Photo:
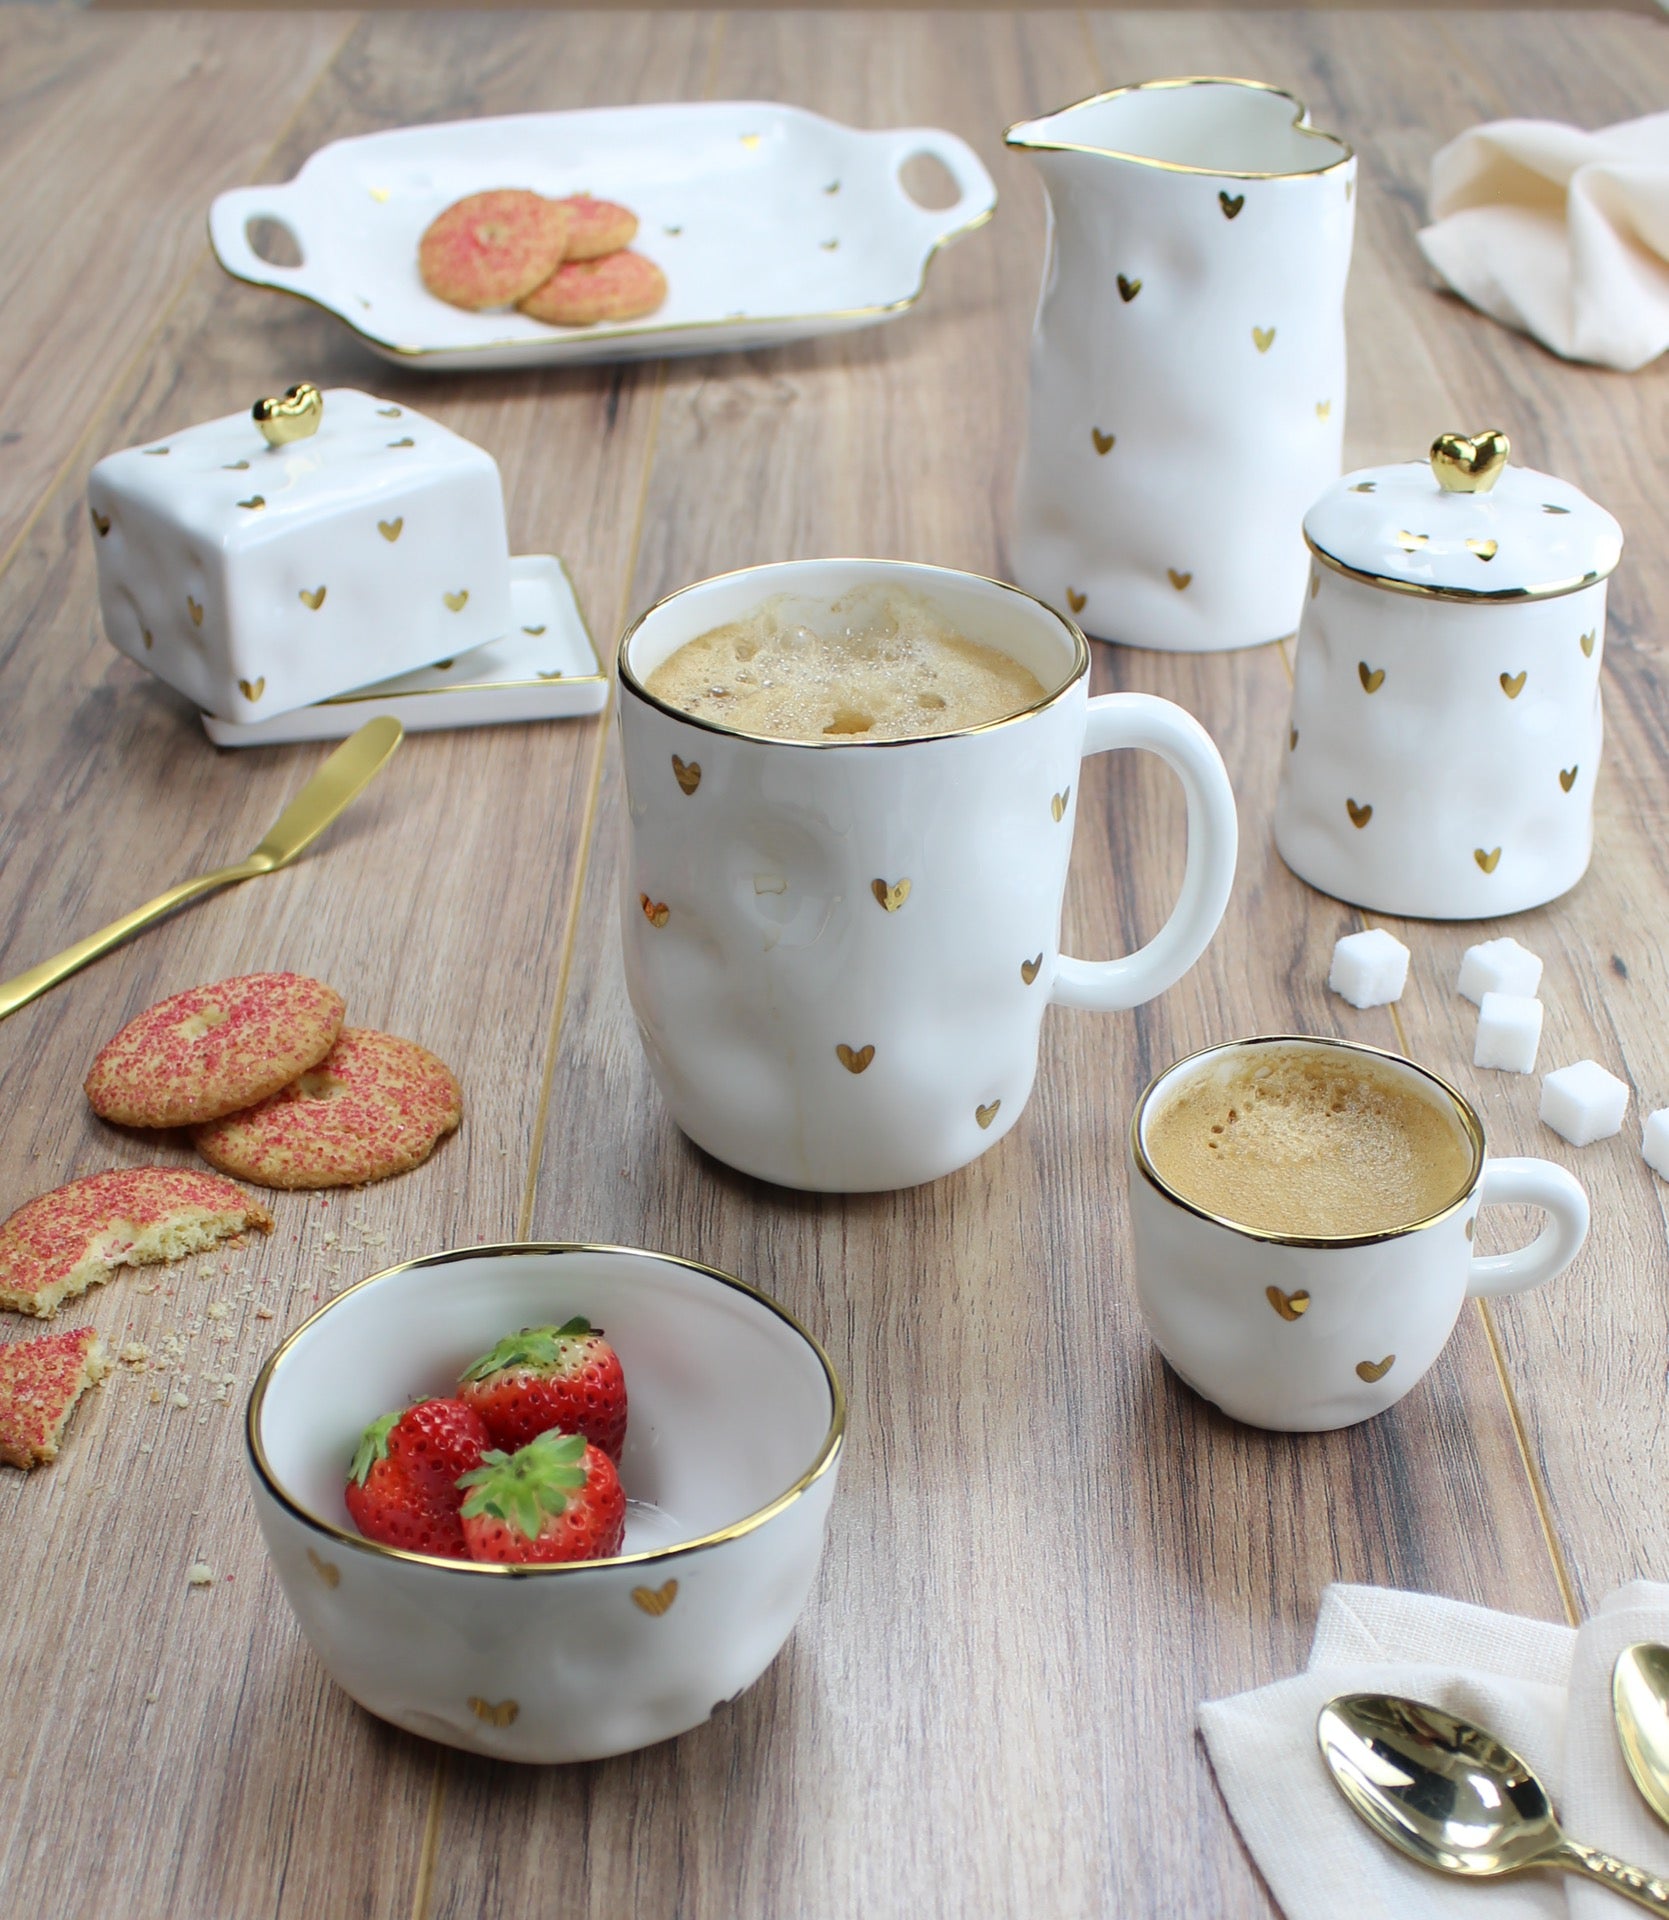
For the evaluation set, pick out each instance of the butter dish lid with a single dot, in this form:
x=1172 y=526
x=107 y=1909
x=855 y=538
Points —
x=1464 y=525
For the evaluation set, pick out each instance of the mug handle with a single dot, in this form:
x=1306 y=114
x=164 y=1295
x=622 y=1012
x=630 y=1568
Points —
x=1143 y=720
x=1531 y=1183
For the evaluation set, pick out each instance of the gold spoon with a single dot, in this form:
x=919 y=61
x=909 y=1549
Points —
x=1453 y=1797
x=1640 y=1706
x=340 y=780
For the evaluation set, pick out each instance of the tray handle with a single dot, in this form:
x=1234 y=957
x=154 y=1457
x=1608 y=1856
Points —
x=976 y=190
x=229 y=218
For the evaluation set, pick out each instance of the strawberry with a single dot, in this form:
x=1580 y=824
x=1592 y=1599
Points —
x=566 y=1377
x=402 y=1487
x=558 y=1498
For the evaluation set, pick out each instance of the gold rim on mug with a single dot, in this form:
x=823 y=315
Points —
x=1013 y=138
x=1463 y=1109
x=628 y=678
x=827 y=1453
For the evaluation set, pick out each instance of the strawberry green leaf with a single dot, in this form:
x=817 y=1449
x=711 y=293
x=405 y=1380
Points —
x=373 y=1446
x=537 y=1347
x=530 y=1487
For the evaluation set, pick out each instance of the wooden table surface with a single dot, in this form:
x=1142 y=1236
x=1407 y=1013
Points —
x=1044 y=1551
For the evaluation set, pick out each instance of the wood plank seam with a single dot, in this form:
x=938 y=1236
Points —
x=431 y=1837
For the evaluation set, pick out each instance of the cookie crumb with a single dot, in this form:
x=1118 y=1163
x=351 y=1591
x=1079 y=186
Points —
x=217 y=1309
x=178 y=1399
x=135 y=1354
x=199 y=1574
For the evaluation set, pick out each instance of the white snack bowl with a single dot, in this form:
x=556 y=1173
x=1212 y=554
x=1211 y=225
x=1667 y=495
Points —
x=256 y=578
x=566 y=1662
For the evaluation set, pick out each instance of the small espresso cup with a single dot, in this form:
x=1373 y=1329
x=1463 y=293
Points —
x=839 y=952
x=1306 y=1332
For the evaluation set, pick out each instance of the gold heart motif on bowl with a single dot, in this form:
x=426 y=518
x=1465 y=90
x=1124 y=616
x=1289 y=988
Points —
x=1290 y=1306
x=1179 y=580
x=1263 y=338
x=1588 y=640
x=1359 y=816
x=254 y=503
x=1412 y=542
x=1231 y=203
x=1029 y=969
x=314 y=598
x=253 y=689
x=1488 y=861
x=1103 y=441
x=1057 y=803
x=407 y=442
x=1323 y=409
x=686 y=772
x=329 y=1574
x=985 y=1115
x=1512 y=684
x=1128 y=289
x=500 y=1713
x=656 y=912
x=655 y=1600
x=1366 y=486
x=1372 y=680
x=392 y=529
x=456 y=601
x=1292 y=739
x=1075 y=600
x=1469 y=463
x=101 y=521
x=1484 y=549
x=890 y=897
x=148 y=637
x=237 y=466
x=194 y=610
x=535 y=631
x=854 y=1059
x=1372 y=1370
x=1567 y=777
x=389 y=413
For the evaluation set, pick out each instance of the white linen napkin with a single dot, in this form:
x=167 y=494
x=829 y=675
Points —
x=1545 y=1690
x=1560 y=233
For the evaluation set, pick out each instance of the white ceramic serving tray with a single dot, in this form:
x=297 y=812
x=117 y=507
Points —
x=545 y=668
x=770 y=223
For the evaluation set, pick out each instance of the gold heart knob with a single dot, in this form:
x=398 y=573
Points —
x=500 y=1713
x=687 y=773
x=1372 y=679
x=1512 y=684
x=1075 y=600
x=101 y=521
x=1359 y=816
x=329 y=1574
x=1567 y=777
x=985 y=1115
x=1057 y=803
x=854 y=1059
x=891 y=897
x=254 y=503
x=253 y=689
x=1103 y=441
x=1178 y=580
x=392 y=529
x=1029 y=969
x=194 y=610
x=655 y=1600
x=656 y=912
x=1290 y=1306
x=1588 y=640
x=314 y=598
x=1128 y=289
x=1263 y=338
x=1372 y=1370
x=1488 y=861
x=1484 y=549
x=456 y=601
x=1231 y=203
x=291 y=416
x=1469 y=463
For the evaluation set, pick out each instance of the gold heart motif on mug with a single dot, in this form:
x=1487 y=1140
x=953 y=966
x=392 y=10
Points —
x=1372 y=1370
x=1323 y=409
x=1128 y=289
x=1588 y=640
x=535 y=631
x=455 y=601
x=1103 y=441
x=315 y=599
x=1290 y=1306
x=985 y=1115
x=891 y=897
x=392 y=529
x=1231 y=203
x=1075 y=600
x=1178 y=580
x=1488 y=861
x=1512 y=684
x=1263 y=338
x=1567 y=777
x=1057 y=804
x=330 y=1575
x=253 y=689
x=655 y=1600
x=1359 y=816
x=101 y=521
x=194 y=610
x=854 y=1059
x=500 y=1713
x=1372 y=680
x=1029 y=969
x=1292 y=739
x=656 y=912
x=686 y=772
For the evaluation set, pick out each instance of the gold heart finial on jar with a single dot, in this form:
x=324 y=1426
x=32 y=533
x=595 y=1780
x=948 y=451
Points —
x=294 y=416
x=1469 y=463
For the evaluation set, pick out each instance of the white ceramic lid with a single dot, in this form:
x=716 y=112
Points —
x=1464 y=525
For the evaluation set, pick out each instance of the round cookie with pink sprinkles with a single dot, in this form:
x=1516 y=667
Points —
x=374 y=1106
x=597 y=227
x=489 y=249
x=620 y=286
x=213 y=1050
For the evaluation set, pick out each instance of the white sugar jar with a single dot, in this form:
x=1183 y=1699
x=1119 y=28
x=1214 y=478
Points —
x=1445 y=733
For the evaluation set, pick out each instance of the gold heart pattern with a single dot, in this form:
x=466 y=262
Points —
x=101 y=521
x=388 y=413
x=1567 y=777
x=535 y=631
x=1555 y=509
x=1103 y=441
x=1469 y=1226
x=1469 y=463
x=442 y=666
x=829 y=245
x=554 y=674
x=686 y=772
x=985 y=1115
x=1292 y=739
x=407 y=442
x=1323 y=409
x=854 y=1059
x=194 y=610
x=253 y=689
x=284 y=418
x=1359 y=816
x=456 y=601
x=1412 y=542
x=1372 y=679
x=1290 y=1306
x=156 y=453
x=892 y=897
x=1488 y=861
x=1365 y=486
x=392 y=529
x=314 y=598
x=237 y=466
x=329 y=1574
x=655 y=1600
x=1029 y=969
x=1315 y=584
x=1075 y=600
x=1588 y=640
x=500 y=1713
x=1231 y=203
x=149 y=637
x=379 y=194
x=1057 y=803
x=1263 y=338
x=1484 y=549
x=1372 y=1370
x=750 y=141
x=254 y=503
x=1512 y=684
x=1178 y=580
x=656 y=912
x=1128 y=289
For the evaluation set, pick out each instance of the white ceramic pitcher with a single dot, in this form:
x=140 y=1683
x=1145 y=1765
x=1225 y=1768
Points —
x=1187 y=361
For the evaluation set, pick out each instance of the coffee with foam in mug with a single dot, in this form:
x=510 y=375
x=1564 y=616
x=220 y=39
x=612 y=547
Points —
x=877 y=665
x=1313 y=1142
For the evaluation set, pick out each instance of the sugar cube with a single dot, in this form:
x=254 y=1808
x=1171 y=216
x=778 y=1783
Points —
x=1369 y=969
x=1509 y=1032
x=1499 y=966
x=1654 y=1142
x=1584 y=1103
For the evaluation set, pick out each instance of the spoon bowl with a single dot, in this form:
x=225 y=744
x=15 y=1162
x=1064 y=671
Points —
x=1640 y=1706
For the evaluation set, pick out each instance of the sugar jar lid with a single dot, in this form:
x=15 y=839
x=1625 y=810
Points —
x=1463 y=525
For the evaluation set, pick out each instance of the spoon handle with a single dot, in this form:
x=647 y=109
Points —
x=1644 y=1889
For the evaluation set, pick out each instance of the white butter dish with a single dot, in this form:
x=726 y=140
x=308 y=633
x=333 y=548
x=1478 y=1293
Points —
x=544 y=668
x=258 y=578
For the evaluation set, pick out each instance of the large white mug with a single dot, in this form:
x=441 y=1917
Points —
x=839 y=952
x=1307 y=1332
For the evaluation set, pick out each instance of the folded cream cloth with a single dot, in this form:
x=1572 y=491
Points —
x=1545 y=1690
x=1560 y=233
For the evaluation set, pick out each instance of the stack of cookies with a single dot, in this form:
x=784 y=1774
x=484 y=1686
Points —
x=566 y=262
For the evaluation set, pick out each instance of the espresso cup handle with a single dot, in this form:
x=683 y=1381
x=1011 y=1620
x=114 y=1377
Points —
x=1142 y=720
x=1530 y=1183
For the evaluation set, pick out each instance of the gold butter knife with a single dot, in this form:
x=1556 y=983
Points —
x=340 y=781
